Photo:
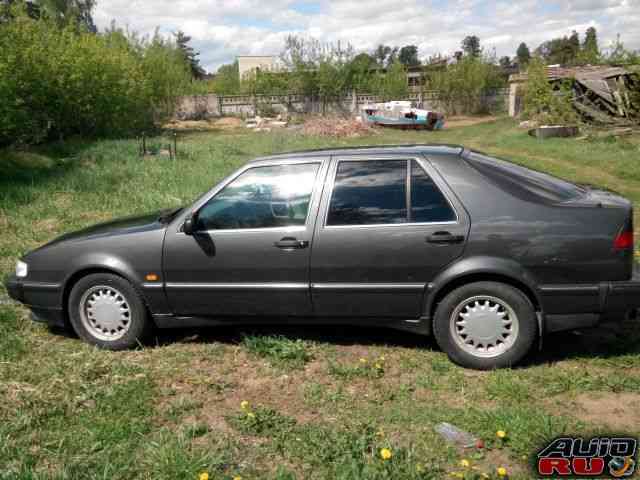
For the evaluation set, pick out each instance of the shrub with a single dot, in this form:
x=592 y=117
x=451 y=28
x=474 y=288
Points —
x=57 y=81
x=542 y=102
x=461 y=86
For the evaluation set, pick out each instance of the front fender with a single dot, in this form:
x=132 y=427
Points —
x=474 y=269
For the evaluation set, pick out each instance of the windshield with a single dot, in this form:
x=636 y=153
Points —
x=524 y=182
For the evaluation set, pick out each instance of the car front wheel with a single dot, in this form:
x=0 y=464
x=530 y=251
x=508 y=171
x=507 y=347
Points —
x=106 y=311
x=485 y=325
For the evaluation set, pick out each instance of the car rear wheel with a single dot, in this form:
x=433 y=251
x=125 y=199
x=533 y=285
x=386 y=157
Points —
x=105 y=310
x=485 y=325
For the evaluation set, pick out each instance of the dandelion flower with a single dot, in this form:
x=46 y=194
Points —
x=501 y=434
x=363 y=360
x=502 y=472
x=237 y=477
x=419 y=468
x=203 y=476
x=380 y=433
x=378 y=366
x=251 y=415
x=465 y=463
x=244 y=405
x=385 y=454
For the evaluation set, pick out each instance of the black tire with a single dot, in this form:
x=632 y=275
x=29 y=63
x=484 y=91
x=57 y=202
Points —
x=139 y=325
x=519 y=303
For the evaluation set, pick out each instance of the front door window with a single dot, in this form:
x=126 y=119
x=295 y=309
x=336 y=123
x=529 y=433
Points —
x=262 y=197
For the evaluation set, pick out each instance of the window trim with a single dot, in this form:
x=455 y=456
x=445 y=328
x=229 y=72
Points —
x=332 y=181
x=291 y=228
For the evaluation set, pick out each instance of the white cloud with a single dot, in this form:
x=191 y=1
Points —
x=222 y=29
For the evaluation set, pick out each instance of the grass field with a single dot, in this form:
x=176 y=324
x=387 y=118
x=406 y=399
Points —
x=322 y=402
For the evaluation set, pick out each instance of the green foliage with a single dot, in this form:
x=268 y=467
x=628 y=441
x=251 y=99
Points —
x=279 y=350
x=392 y=84
x=471 y=46
x=462 y=84
x=190 y=55
x=523 y=54
x=57 y=82
x=261 y=420
x=409 y=56
x=542 y=102
x=227 y=81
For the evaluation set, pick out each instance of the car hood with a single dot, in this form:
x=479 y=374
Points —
x=119 y=227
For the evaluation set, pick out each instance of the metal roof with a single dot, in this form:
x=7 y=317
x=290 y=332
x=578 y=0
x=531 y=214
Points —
x=440 y=149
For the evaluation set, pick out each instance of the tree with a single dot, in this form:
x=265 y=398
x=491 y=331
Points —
x=361 y=70
x=523 y=54
x=590 y=51
x=561 y=50
x=190 y=55
x=573 y=45
x=409 y=56
x=63 y=12
x=392 y=84
x=385 y=55
x=505 y=62
x=227 y=81
x=471 y=46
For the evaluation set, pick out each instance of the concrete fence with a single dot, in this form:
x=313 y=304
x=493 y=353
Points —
x=200 y=107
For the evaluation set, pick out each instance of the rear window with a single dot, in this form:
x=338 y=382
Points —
x=523 y=182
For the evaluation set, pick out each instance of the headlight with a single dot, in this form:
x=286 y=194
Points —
x=21 y=269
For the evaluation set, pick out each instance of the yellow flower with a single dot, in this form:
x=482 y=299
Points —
x=378 y=366
x=385 y=454
x=381 y=358
x=502 y=472
x=419 y=468
x=363 y=360
x=465 y=463
x=237 y=477
x=244 y=405
x=501 y=434
x=203 y=476
x=251 y=415
x=457 y=474
x=380 y=433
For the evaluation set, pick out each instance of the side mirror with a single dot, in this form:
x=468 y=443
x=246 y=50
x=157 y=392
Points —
x=189 y=225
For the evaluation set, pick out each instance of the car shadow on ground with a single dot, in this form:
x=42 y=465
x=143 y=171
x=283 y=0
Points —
x=607 y=341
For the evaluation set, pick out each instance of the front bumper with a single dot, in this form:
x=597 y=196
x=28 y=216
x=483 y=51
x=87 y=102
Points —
x=44 y=299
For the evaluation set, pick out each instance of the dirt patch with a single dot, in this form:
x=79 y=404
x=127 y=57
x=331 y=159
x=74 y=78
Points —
x=617 y=411
x=49 y=225
x=336 y=127
x=465 y=121
x=224 y=123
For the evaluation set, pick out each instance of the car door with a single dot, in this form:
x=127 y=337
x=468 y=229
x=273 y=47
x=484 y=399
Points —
x=250 y=250
x=387 y=226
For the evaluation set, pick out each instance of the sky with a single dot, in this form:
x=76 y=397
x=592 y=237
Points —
x=223 y=29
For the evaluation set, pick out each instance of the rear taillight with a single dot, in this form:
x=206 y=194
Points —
x=624 y=239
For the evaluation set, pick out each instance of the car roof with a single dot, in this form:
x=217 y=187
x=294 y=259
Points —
x=428 y=149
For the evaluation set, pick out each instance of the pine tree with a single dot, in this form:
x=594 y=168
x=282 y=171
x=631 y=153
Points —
x=524 y=55
x=190 y=55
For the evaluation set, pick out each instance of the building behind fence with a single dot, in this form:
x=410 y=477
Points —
x=201 y=107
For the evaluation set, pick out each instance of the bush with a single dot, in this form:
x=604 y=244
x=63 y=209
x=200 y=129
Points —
x=542 y=102
x=57 y=81
x=461 y=86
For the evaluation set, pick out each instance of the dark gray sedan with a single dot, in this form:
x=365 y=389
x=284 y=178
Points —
x=486 y=255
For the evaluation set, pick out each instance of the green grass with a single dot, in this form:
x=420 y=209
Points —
x=279 y=350
x=172 y=409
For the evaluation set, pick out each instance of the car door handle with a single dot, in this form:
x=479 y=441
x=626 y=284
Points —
x=442 y=238
x=288 y=243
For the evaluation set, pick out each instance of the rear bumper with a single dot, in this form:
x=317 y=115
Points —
x=44 y=299
x=569 y=307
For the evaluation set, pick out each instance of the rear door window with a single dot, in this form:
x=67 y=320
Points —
x=383 y=192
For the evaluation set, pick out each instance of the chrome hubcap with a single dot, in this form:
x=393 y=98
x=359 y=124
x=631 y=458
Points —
x=484 y=326
x=105 y=313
